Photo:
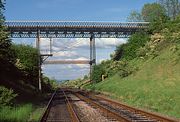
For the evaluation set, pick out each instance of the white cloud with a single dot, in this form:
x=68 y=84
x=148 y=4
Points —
x=109 y=42
x=76 y=49
x=67 y=44
x=65 y=54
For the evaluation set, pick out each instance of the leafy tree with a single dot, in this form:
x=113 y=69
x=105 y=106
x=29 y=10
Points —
x=172 y=7
x=6 y=52
x=27 y=60
x=98 y=71
x=85 y=77
x=156 y=15
x=6 y=96
x=128 y=51
x=135 y=17
x=27 y=56
x=118 y=53
x=152 y=12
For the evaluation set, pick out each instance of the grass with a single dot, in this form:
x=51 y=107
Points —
x=36 y=114
x=22 y=113
x=155 y=86
x=16 y=114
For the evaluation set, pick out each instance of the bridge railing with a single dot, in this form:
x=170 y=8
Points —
x=74 y=24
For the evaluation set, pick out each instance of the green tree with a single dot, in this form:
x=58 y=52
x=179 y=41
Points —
x=172 y=7
x=27 y=60
x=6 y=96
x=6 y=52
x=27 y=56
x=135 y=17
x=152 y=12
x=98 y=71
x=128 y=51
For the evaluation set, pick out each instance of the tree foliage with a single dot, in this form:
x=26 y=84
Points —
x=152 y=12
x=27 y=56
x=27 y=60
x=98 y=71
x=6 y=96
x=6 y=53
x=172 y=7
x=135 y=16
x=128 y=51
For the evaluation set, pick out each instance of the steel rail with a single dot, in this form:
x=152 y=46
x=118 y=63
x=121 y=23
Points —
x=110 y=113
x=73 y=115
x=46 y=112
x=151 y=115
x=140 y=111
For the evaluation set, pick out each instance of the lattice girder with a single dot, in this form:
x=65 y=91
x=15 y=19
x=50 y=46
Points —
x=73 y=29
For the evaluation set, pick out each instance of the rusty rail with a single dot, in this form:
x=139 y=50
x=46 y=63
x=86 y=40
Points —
x=152 y=115
x=140 y=111
x=105 y=110
x=74 y=117
x=46 y=112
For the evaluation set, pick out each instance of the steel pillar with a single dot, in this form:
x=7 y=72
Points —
x=39 y=57
x=50 y=45
x=92 y=55
x=94 y=50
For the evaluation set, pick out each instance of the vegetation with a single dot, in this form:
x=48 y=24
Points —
x=147 y=66
x=155 y=86
x=6 y=96
x=172 y=7
x=21 y=113
x=19 y=79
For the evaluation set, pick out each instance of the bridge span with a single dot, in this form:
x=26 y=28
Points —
x=73 y=29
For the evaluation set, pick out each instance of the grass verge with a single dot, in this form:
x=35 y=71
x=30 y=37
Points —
x=21 y=113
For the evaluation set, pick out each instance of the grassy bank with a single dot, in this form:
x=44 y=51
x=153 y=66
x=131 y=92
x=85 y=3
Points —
x=154 y=86
x=22 y=113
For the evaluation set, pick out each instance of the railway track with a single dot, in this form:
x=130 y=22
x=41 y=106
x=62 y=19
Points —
x=59 y=109
x=122 y=112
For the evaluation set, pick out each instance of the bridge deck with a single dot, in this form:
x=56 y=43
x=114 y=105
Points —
x=73 y=29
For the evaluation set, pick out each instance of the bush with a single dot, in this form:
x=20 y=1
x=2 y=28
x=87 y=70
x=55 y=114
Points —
x=126 y=71
x=27 y=57
x=27 y=62
x=6 y=96
x=128 y=51
x=98 y=71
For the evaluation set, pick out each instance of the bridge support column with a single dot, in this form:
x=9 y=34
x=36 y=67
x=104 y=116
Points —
x=50 y=45
x=92 y=55
x=39 y=61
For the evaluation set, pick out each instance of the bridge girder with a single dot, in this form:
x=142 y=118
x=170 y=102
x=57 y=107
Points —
x=73 y=29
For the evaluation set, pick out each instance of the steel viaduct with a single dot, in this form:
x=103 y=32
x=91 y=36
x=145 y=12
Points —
x=72 y=29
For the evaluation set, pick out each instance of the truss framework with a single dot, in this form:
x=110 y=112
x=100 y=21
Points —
x=73 y=29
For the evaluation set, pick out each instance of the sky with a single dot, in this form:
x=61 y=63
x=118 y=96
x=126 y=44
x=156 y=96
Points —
x=72 y=10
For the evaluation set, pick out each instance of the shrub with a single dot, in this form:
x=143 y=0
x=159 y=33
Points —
x=128 y=51
x=98 y=71
x=6 y=96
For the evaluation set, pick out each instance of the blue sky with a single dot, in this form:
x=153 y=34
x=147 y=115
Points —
x=81 y=10
x=101 y=10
